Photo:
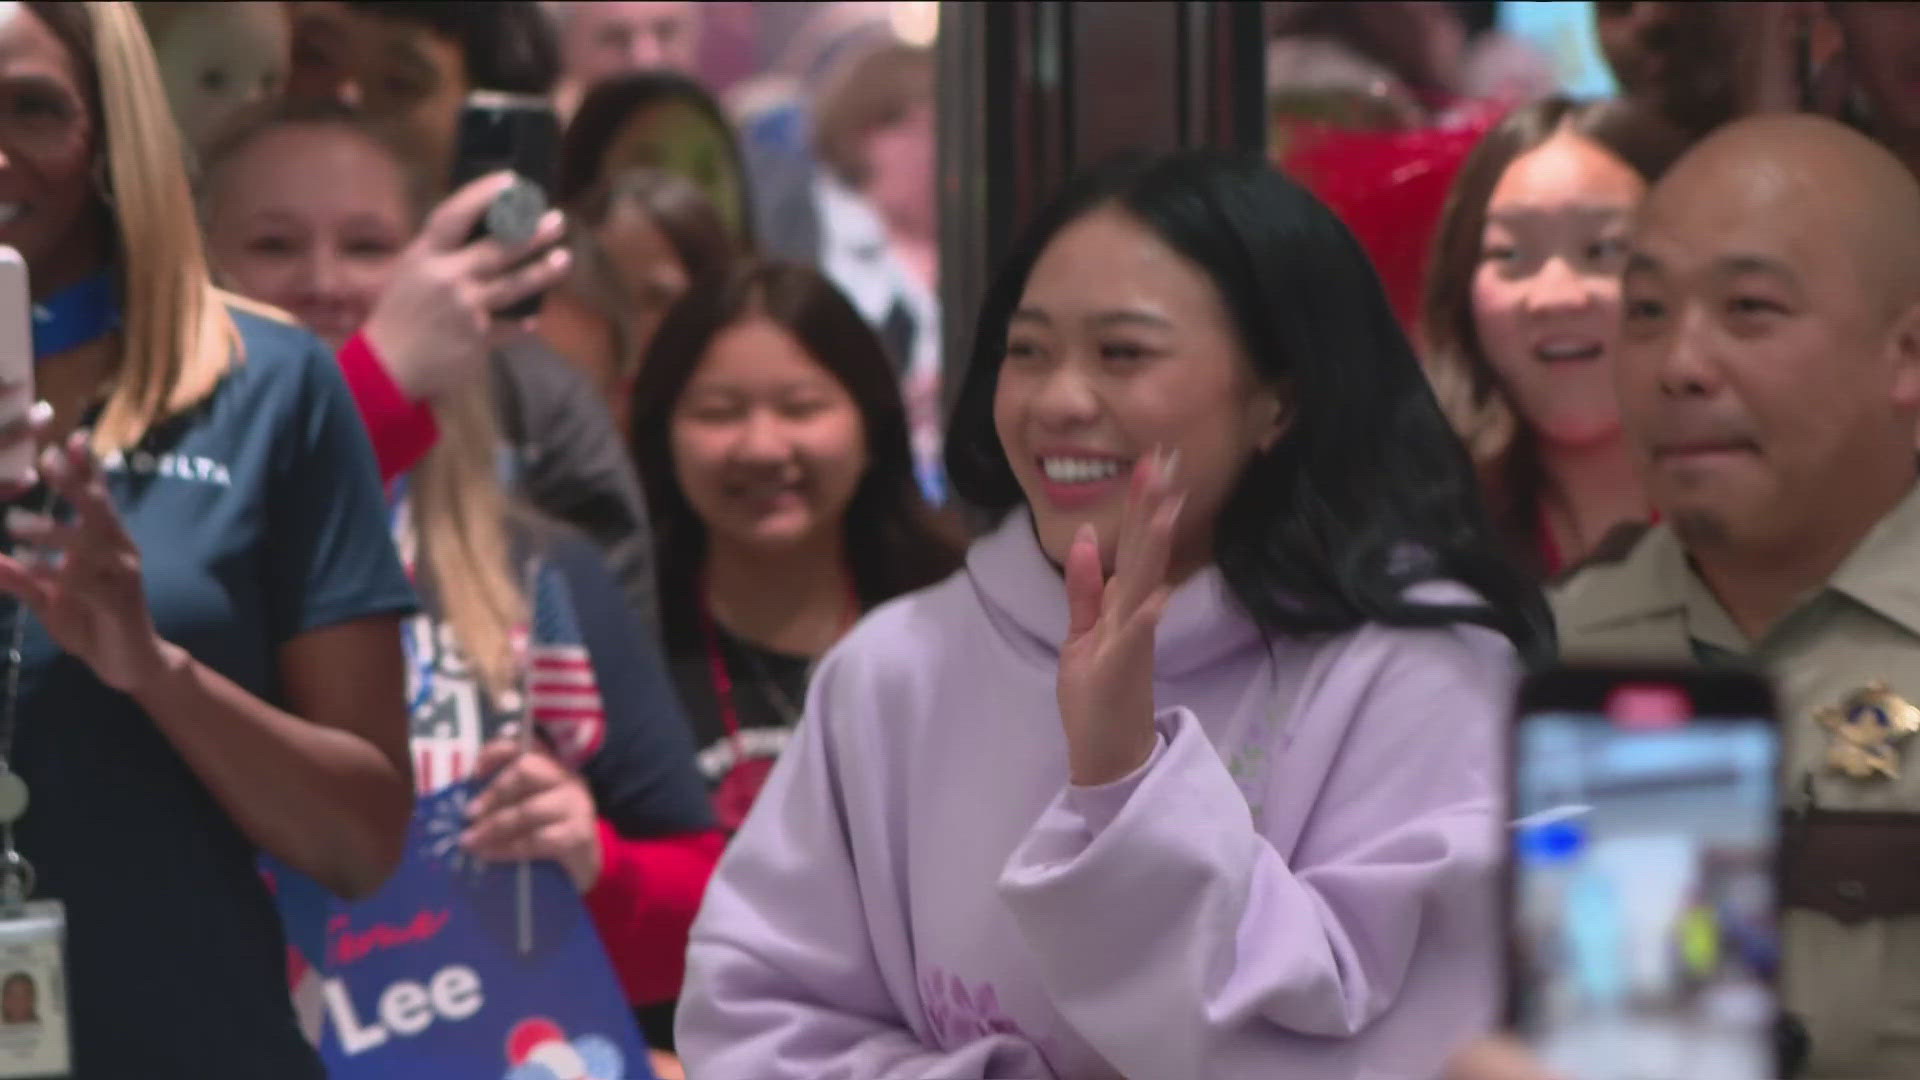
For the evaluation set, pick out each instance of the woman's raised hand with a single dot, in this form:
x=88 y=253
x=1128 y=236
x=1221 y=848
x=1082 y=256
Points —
x=435 y=322
x=1106 y=663
x=81 y=577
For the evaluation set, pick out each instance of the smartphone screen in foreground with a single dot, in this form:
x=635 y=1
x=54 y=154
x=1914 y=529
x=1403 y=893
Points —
x=1643 y=898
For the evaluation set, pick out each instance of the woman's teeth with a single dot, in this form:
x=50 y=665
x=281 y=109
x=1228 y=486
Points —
x=1064 y=470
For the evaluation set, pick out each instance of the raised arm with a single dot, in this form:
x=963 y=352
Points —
x=1367 y=942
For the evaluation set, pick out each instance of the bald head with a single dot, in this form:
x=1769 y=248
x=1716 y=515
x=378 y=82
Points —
x=1805 y=176
x=1769 y=363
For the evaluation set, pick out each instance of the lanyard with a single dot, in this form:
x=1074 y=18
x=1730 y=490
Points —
x=82 y=312
x=722 y=678
x=16 y=873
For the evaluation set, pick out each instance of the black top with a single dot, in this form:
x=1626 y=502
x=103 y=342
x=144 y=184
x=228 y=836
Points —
x=571 y=463
x=769 y=692
x=259 y=517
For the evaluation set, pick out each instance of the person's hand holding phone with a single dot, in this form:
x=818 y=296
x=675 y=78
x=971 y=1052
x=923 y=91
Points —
x=436 y=321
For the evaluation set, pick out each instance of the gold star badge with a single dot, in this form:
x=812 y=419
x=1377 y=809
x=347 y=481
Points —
x=1865 y=732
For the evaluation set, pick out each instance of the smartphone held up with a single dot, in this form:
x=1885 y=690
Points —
x=517 y=133
x=1642 y=923
x=16 y=367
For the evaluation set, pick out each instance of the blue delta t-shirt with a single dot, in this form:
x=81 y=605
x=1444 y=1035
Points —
x=259 y=517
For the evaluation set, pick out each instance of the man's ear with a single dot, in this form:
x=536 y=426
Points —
x=1903 y=342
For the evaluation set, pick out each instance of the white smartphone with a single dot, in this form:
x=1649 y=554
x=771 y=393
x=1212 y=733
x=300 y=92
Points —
x=16 y=360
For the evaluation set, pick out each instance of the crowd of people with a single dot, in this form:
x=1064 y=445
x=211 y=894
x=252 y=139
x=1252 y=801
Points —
x=1191 y=764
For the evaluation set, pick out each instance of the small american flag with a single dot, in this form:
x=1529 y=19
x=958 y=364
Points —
x=563 y=696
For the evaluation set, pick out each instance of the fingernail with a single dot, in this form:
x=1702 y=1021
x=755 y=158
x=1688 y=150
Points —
x=1172 y=467
x=41 y=412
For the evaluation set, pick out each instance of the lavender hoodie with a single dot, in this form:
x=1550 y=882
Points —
x=1297 y=885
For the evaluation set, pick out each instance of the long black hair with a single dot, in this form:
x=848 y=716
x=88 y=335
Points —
x=895 y=542
x=1367 y=492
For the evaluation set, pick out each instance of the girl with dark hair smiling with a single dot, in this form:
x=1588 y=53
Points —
x=772 y=443
x=1521 y=315
x=1192 y=771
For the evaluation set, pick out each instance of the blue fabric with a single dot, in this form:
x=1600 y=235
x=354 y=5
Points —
x=259 y=517
x=82 y=312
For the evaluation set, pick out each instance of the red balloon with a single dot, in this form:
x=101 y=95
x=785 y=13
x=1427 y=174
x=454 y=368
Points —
x=1390 y=188
x=530 y=1033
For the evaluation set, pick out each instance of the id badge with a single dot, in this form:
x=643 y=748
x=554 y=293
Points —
x=34 y=1031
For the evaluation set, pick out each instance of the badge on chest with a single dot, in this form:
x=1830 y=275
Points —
x=1866 y=732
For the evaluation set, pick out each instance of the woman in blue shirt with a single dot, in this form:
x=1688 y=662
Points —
x=210 y=661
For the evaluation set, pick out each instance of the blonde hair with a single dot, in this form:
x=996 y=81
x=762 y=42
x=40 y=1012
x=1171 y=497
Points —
x=460 y=513
x=177 y=340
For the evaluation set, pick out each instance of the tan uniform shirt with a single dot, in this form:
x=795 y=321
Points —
x=1855 y=986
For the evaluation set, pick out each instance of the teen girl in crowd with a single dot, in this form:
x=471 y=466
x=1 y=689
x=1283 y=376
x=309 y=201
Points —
x=412 y=65
x=611 y=796
x=772 y=443
x=1521 y=314
x=215 y=555
x=1194 y=770
x=640 y=239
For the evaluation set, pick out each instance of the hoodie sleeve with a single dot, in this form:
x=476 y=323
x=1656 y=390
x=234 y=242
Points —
x=799 y=966
x=1227 y=956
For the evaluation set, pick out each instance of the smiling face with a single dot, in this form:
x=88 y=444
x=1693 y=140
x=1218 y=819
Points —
x=1120 y=345
x=309 y=218
x=767 y=445
x=49 y=211
x=1762 y=378
x=1546 y=295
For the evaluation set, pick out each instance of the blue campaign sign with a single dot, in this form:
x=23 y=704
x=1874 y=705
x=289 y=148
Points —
x=440 y=975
